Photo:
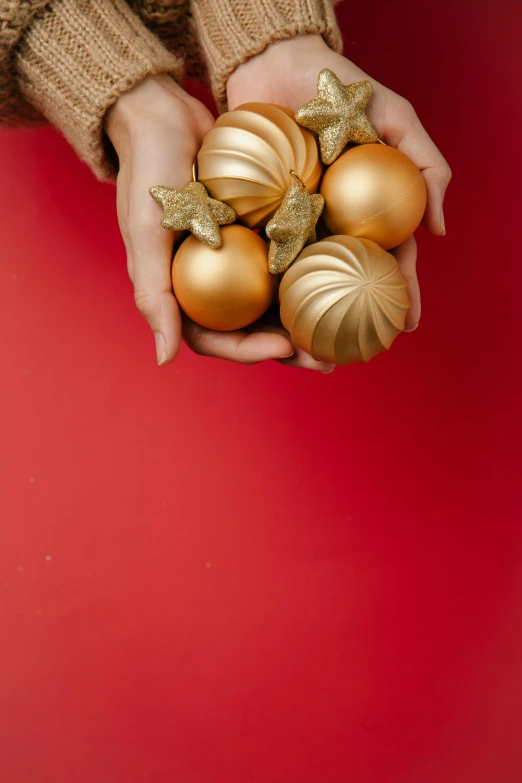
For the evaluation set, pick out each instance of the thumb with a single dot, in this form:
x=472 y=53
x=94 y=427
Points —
x=150 y=256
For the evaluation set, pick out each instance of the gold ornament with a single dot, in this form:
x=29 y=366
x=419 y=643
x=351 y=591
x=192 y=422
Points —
x=225 y=288
x=374 y=191
x=191 y=209
x=343 y=300
x=338 y=115
x=292 y=226
x=247 y=156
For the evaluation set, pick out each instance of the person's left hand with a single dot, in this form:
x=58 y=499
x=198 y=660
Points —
x=286 y=74
x=156 y=130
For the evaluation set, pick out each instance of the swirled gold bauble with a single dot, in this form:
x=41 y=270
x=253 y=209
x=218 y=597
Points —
x=343 y=300
x=374 y=191
x=246 y=159
x=224 y=288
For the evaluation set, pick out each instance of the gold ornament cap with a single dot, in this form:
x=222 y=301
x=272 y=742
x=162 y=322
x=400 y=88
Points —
x=337 y=114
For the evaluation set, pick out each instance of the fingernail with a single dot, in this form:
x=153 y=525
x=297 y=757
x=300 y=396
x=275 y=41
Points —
x=442 y=224
x=287 y=355
x=329 y=370
x=411 y=329
x=161 y=348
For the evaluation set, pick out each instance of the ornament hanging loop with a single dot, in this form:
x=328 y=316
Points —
x=195 y=170
x=297 y=178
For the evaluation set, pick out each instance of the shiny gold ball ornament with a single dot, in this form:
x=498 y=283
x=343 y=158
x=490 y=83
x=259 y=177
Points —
x=343 y=300
x=247 y=157
x=374 y=191
x=225 y=288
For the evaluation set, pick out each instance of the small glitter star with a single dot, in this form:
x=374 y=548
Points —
x=192 y=209
x=338 y=115
x=292 y=226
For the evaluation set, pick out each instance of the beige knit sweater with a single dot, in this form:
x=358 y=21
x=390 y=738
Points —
x=68 y=61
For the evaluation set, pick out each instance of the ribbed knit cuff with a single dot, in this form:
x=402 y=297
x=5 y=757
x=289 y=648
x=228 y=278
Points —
x=75 y=61
x=232 y=31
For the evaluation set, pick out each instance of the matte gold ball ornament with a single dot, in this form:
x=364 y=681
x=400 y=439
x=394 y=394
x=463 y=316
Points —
x=374 y=191
x=224 y=288
x=344 y=300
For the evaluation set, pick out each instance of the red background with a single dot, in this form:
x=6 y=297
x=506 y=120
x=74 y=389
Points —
x=215 y=574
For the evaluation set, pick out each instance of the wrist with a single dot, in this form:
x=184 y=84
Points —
x=280 y=54
x=151 y=101
x=283 y=52
x=272 y=75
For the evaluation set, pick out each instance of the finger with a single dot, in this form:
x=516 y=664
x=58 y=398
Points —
x=150 y=258
x=304 y=361
x=437 y=180
x=242 y=347
x=150 y=249
x=299 y=358
x=406 y=255
x=408 y=135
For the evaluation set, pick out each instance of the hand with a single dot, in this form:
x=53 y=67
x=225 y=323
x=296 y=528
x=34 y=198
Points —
x=157 y=129
x=286 y=73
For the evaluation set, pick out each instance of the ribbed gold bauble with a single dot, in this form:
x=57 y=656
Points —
x=246 y=159
x=224 y=288
x=343 y=300
x=374 y=191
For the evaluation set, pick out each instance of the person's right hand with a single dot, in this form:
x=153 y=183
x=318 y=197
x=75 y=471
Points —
x=156 y=130
x=286 y=73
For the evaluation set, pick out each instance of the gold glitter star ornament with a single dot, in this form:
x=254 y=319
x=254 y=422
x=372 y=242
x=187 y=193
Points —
x=292 y=227
x=192 y=209
x=337 y=114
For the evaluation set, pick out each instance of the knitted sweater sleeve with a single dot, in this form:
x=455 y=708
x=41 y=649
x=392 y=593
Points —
x=232 y=31
x=72 y=61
